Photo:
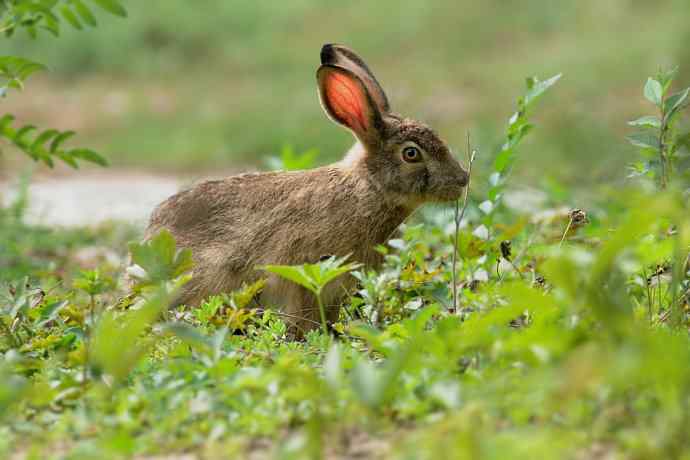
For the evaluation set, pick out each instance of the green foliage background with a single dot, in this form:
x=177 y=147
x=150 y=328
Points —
x=226 y=83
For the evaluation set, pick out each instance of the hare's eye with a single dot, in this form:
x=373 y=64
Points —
x=411 y=154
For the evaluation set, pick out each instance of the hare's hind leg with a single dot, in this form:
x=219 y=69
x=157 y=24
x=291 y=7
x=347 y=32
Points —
x=300 y=311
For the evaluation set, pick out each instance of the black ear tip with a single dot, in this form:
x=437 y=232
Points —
x=328 y=53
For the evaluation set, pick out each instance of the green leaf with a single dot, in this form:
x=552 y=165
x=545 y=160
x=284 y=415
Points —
x=51 y=23
x=295 y=274
x=189 y=335
x=88 y=155
x=313 y=276
x=50 y=312
x=536 y=87
x=112 y=6
x=675 y=101
x=59 y=140
x=118 y=344
x=665 y=77
x=36 y=149
x=331 y=269
x=160 y=259
x=93 y=282
x=644 y=140
x=289 y=160
x=649 y=121
x=44 y=137
x=68 y=159
x=527 y=297
x=503 y=159
x=69 y=15
x=653 y=91
x=15 y=70
x=84 y=12
x=5 y=123
x=45 y=159
x=20 y=137
x=494 y=193
x=242 y=297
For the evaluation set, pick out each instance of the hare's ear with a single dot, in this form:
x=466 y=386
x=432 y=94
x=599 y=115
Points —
x=344 y=57
x=347 y=101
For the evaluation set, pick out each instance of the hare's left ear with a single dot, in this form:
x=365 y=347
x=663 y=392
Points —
x=345 y=58
x=347 y=101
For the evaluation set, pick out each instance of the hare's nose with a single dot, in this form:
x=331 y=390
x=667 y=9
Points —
x=463 y=178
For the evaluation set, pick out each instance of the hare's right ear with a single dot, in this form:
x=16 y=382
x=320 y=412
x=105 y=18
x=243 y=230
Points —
x=347 y=101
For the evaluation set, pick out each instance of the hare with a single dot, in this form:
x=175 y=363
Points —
x=235 y=224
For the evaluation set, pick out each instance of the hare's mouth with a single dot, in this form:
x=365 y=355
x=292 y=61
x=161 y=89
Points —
x=443 y=197
x=447 y=194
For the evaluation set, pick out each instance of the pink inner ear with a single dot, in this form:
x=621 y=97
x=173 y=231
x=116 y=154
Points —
x=346 y=99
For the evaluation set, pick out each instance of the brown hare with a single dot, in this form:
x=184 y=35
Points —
x=241 y=222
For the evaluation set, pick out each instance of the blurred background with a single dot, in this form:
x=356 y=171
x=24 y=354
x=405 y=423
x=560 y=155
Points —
x=189 y=88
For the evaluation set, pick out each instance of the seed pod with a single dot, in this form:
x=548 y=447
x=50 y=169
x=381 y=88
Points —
x=578 y=218
x=506 y=249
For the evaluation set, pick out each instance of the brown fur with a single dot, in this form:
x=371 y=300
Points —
x=241 y=222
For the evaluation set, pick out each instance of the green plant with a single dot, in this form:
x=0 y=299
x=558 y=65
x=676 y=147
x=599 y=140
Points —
x=314 y=277
x=158 y=261
x=661 y=145
x=32 y=16
x=289 y=160
x=45 y=145
x=14 y=71
x=518 y=127
x=231 y=310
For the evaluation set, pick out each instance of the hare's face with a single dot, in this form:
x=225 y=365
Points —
x=417 y=165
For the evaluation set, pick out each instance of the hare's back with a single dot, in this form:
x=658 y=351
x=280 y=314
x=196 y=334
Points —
x=211 y=209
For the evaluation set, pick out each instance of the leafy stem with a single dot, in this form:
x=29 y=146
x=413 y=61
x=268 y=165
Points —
x=656 y=138
x=518 y=127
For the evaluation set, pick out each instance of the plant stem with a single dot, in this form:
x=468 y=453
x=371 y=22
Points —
x=658 y=290
x=459 y=215
x=87 y=334
x=663 y=154
x=650 y=312
x=567 y=228
x=322 y=311
x=455 y=256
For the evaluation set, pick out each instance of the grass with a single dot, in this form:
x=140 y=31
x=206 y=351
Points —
x=584 y=363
